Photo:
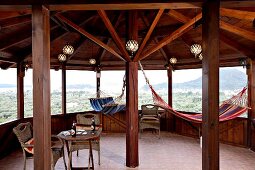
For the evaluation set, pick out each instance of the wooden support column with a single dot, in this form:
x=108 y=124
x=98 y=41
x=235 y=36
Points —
x=210 y=85
x=251 y=104
x=64 y=88
x=98 y=76
x=170 y=117
x=20 y=90
x=132 y=158
x=41 y=87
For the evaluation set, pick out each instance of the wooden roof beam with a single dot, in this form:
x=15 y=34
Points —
x=178 y=16
x=146 y=22
x=114 y=34
x=243 y=15
x=102 y=52
x=89 y=36
x=15 y=21
x=19 y=36
x=233 y=44
x=244 y=50
x=146 y=38
x=237 y=30
x=176 y=34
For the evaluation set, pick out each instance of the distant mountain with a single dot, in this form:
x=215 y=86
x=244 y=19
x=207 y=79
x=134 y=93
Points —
x=230 y=79
x=7 y=85
x=80 y=86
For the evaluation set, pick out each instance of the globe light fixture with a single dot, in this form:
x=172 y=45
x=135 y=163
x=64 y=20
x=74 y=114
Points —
x=200 y=56
x=68 y=49
x=173 y=60
x=132 y=45
x=62 y=57
x=92 y=61
x=196 y=49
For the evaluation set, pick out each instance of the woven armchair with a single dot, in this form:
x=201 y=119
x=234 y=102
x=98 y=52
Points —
x=149 y=118
x=24 y=133
x=85 y=119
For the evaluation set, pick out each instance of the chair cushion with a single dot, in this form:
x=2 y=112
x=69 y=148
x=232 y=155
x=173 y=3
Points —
x=30 y=149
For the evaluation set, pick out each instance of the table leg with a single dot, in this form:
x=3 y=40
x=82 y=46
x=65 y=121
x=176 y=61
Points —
x=69 y=155
x=91 y=154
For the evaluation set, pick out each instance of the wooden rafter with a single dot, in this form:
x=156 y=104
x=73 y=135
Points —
x=102 y=52
x=19 y=36
x=89 y=36
x=244 y=15
x=176 y=34
x=11 y=14
x=114 y=34
x=238 y=31
x=146 y=22
x=233 y=44
x=146 y=38
x=178 y=16
x=15 y=21
x=244 y=50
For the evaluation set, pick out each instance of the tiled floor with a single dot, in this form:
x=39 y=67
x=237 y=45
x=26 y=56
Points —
x=171 y=152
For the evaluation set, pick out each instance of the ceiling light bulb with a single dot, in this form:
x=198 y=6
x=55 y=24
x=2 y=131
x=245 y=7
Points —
x=68 y=49
x=173 y=60
x=92 y=61
x=196 y=49
x=132 y=45
x=62 y=57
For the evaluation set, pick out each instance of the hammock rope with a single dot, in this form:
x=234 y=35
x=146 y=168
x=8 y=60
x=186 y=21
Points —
x=229 y=109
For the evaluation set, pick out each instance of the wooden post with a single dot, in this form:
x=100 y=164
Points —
x=98 y=76
x=20 y=90
x=251 y=104
x=170 y=117
x=64 y=88
x=210 y=85
x=41 y=87
x=132 y=157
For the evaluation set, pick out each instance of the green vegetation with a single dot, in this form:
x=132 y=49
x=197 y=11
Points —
x=77 y=101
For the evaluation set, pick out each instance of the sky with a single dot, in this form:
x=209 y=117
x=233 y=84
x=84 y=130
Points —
x=109 y=79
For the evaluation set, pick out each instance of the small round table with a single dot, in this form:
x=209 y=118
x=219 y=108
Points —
x=74 y=143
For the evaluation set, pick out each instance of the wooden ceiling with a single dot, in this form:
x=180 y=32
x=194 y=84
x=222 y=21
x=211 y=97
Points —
x=99 y=31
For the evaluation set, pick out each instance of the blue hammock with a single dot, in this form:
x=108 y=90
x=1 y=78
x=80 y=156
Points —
x=106 y=105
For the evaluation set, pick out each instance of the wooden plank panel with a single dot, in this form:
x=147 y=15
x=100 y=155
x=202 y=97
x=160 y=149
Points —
x=41 y=87
x=210 y=85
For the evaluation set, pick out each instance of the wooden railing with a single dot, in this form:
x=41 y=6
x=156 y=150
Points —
x=232 y=132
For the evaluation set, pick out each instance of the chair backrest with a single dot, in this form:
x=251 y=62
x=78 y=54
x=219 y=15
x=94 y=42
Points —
x=149 y=109
x=85 y=118
x=23 y=132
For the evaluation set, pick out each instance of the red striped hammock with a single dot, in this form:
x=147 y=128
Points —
x=229 y=109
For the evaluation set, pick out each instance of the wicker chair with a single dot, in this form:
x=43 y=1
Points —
x=24 y=134
x=85 y=119
x=149 y=118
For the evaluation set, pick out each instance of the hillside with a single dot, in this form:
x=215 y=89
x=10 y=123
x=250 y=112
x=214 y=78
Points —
x=230 y=79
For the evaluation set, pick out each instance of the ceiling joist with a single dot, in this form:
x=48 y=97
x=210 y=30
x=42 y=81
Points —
x=238 y=31
x=243 y=15
x=89 y=36
x=114 y=34
x=146 y=38
x=176 y=34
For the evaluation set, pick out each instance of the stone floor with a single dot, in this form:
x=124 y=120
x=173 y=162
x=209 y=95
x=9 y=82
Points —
x=171 y=152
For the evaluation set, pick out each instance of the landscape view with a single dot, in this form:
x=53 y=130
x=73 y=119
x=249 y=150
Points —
x=187 y=96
